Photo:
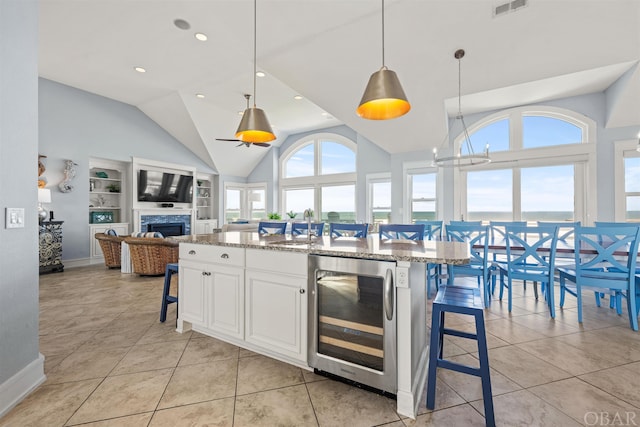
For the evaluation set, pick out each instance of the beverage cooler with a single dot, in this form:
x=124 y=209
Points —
x=352 y=320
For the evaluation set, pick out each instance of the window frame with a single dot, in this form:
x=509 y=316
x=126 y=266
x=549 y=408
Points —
x=245 y=204
x=419 y=168
x=622 y=150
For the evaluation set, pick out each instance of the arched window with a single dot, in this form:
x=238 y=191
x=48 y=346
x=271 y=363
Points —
x=542 y=165
x=319 y=172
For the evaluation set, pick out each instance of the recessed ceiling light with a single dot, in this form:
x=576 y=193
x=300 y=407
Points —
x=140 y=69
x=182 y=24
x=240 y=113
x=260 y=74
x=201 y=36
x=325 y=114
x=297 y=97
x=199 y=95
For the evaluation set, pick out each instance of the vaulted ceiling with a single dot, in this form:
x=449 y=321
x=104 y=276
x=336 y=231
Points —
x=325 y=51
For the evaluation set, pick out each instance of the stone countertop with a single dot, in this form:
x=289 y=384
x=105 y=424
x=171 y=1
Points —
x=370 y=248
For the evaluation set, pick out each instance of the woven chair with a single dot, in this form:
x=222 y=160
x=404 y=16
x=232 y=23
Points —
x=111 y=249
x=150 y=255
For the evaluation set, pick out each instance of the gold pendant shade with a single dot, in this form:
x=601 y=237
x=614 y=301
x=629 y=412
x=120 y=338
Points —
x=254 y=126
x=383 y=98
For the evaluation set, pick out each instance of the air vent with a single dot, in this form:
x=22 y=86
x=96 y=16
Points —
x=511 y=6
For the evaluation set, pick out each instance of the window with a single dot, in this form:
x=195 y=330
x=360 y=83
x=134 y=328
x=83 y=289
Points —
x=378 y=200
x=632 y=188
x=541 y=172
x=319 y=173
x=422 y=190
x=244 y=201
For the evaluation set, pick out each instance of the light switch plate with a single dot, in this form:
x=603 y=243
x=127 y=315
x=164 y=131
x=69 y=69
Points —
x=14 y=218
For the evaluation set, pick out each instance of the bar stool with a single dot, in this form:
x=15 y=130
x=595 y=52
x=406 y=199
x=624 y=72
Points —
x=171 y=269
x=454 y=299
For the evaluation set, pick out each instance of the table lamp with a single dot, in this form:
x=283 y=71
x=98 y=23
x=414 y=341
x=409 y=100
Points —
x=44 y=196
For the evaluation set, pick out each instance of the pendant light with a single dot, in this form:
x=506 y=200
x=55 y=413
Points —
x=254 y=126
x=383 y=97
x=469 y=158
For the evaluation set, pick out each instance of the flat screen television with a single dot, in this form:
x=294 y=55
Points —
x=156 y=186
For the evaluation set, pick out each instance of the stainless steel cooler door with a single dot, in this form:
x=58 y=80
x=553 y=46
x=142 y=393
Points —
x=352 y=326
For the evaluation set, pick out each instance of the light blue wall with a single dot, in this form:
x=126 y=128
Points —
x=18 y=176
x=370 y=159
x=78 y=125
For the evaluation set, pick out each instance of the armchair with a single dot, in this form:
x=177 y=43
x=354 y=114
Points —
x=111 y=249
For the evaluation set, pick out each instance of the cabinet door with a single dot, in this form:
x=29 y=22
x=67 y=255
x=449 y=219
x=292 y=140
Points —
x=275 y=305
x=191 y=292
x=201 y=227
x=225 y=300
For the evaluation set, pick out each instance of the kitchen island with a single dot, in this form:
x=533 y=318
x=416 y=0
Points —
x=254 y=291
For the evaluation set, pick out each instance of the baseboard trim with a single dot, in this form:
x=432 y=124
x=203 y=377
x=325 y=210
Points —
x=21 y=385
x=80 y=262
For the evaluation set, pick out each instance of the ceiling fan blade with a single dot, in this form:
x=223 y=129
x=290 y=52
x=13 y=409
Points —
x=226 y=139
x=262 y=144
x=240 y=144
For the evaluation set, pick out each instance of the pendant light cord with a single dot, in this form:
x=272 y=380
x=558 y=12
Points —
x=255 y=31
x=383 y=66
x=467 y=139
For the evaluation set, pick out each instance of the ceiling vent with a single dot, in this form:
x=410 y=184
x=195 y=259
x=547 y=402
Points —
x=511 y=6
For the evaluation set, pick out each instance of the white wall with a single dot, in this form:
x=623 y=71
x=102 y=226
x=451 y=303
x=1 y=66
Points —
x=77 y=125
x=21 y=369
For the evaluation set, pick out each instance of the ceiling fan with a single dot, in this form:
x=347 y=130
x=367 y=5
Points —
x=246 y=144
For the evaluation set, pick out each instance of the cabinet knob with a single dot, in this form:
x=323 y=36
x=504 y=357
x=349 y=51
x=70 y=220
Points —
x=192 y=252
x=302 y=291
x=224 y=256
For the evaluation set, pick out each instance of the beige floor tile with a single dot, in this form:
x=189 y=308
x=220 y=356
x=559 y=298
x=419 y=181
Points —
x=215 y=413
x=207 y=349
x=446 y=397
x=523 y=368
x=622 y=382
x=612 y=344
x=123 y=395
x=137 y=420
x=289 y=406
x=522 y=408
x=338 y=404
x=199 y=383
x=51 y=362
x=511 y=332
x=261 y=373
x=151 y=356
x=471 y=346
x=566 y=357
x=49 y=405
x=83 y=365
x=163 y=332
x=469 y=386
x=581 y=400
x=545 y=325
x=462 y=415
x=310 y=376
x=112 y=338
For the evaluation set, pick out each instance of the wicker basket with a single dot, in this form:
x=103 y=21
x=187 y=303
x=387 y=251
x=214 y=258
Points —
x=111 y=249
x=150 y=255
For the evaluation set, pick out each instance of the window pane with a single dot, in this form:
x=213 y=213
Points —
x=232 y=210
x=540 y=131
x=490 y=195
x=547 y=193
x=423 y=186
x=298 y=200
x=495 y=134
x=380 y=203
x=257 y=204
x=633 y=208
x=632 y=174
x=336 y=158
x=300 y=163
x=340 y=199
x=423 y=210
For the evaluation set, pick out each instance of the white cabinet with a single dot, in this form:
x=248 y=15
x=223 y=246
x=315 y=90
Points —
x=206 y=226
x=96 y=252
x=204 y=197
x=211 y=291
x=276 y=302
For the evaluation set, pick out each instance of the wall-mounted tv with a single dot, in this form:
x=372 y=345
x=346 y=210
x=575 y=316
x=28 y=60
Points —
x=155 y=186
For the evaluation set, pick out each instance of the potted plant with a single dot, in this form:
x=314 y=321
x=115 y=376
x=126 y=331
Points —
x=274 y=215
x=291 y=214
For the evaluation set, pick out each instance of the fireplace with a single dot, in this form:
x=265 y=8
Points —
x=168 y=228
x=144 y=219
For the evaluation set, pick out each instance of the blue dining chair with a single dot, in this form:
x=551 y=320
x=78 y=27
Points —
x=615 y=224
x=432 y=231
x=477 y=237
x=301 y=228
x=465 y=222
x=531 y=255
x=338 y=229
x=401 y=231
x=605 y=261
x=497 y=235
x=268 y=227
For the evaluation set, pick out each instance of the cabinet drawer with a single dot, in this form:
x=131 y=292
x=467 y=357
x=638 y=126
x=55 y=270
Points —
x=209 y=253
x=277 y=261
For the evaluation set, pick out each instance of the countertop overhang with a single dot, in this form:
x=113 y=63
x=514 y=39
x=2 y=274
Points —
x=427 y=251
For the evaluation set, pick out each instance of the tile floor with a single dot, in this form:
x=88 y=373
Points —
x=109 y=362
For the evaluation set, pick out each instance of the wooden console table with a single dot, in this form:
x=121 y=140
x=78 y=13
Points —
x=50 y=246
